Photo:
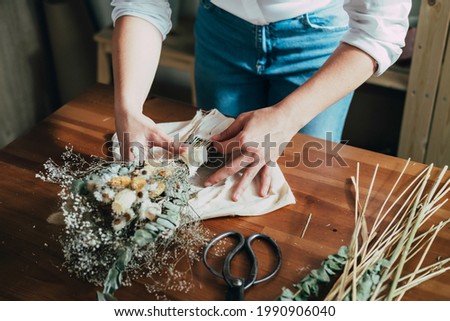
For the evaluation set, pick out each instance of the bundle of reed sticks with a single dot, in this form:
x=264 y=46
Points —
x=387 y=259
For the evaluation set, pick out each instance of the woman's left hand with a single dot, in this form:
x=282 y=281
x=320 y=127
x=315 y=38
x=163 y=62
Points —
x=255 y=139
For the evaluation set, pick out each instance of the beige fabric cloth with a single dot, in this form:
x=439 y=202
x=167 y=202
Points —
x=215 y=201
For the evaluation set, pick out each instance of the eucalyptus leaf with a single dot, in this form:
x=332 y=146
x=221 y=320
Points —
x=364 y=288
x=143 y=237
x=368 y=281
x=172 y=217
x=124 y=171
x=166 y=223
x=114 y=278
x=286 y=295
x=320 y=275
x=151 y=228
x=112 y=281
x=309 y=286
x=172 y=207
x=105 y=297
x=78 y=187
x=124 y=256
x=160 y=227
x=114 y=168
x=182 y=200
x=332 y=266
x=342 y=253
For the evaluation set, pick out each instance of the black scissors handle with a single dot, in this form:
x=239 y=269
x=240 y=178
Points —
x=276 y=248
x=235 y=282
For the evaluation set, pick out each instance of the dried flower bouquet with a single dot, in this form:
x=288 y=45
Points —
x=121 y=217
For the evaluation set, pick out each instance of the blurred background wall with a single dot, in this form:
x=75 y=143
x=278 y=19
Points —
x=27 y=79
x=48 y=57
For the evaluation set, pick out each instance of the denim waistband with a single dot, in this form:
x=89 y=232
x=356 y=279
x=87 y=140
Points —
x=329 y=18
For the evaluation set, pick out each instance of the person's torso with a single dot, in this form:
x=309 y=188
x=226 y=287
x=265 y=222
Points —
x=261 y=12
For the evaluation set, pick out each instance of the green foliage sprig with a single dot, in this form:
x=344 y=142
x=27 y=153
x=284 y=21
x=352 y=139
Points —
x=309 y=286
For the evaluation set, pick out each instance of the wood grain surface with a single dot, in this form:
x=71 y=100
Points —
x=31 y=261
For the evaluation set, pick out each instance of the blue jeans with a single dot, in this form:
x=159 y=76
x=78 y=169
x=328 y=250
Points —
x=241 y=67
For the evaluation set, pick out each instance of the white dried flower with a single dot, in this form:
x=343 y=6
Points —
x=147 y=171
x=195 y=156
x=123 y=201
x=104 y=196
x=98 y=196
x=156 y=188
x=149 y=210
x=143 y=209
x=129 y=215
x=142 y=195
x=154 y=209
x=93 y=183
x=153 y=186
x=108 y=195
x=119 y=223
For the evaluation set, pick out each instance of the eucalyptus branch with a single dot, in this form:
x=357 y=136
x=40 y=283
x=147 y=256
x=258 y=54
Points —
x=309 y=286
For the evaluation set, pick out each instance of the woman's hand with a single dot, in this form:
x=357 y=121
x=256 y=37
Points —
x=138 y=130
x=258 y=138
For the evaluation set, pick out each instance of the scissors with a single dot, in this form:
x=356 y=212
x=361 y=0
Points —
x=237 y=285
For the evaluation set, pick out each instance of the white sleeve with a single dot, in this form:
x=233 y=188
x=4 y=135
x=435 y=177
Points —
x=157 y=12
x=378 y=27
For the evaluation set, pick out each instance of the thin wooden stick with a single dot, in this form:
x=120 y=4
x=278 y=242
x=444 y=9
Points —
x=418 y=281
x=398 y=241
x=401 y=213
x=434 y=266
x=390 y=192
x=444 y=189
x=399 y=247
x=356 y=184
x=306 y=225
x=365 y=233
x=425 y=252
x=407 y=230
x=412 y=193
x=345 y=273
x=355 y=265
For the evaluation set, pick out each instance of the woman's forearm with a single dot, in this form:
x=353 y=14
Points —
x=346 y=69
x=135 y=55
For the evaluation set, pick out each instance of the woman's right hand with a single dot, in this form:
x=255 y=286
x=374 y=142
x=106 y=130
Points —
x=138 y=130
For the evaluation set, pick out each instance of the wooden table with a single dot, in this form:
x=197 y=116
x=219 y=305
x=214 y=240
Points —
x=31 y=259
